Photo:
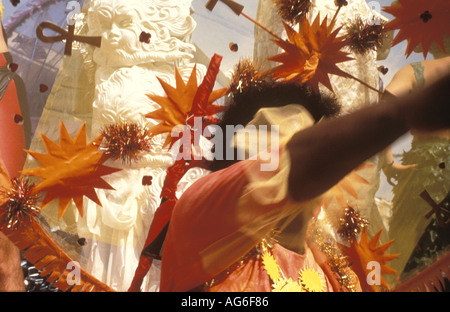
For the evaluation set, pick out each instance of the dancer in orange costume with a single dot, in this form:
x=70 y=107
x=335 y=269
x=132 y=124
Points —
x=220 y=222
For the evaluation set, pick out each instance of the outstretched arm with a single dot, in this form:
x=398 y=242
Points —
x=323 y=154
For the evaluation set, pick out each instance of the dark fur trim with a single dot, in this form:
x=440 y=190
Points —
x=243 y=106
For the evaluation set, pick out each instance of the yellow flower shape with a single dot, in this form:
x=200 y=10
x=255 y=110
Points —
x=287 y=285
x=311 y=280
x=271 y=266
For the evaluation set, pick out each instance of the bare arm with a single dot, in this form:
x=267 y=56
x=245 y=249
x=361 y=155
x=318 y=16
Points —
x=325 y=153
x=403 y=82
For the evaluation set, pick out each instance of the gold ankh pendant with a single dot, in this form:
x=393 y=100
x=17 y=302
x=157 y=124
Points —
x=68 y=35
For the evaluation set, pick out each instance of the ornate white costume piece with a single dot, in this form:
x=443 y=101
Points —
x=123 y=71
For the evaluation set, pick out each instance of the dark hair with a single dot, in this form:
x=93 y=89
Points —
x=242 y=107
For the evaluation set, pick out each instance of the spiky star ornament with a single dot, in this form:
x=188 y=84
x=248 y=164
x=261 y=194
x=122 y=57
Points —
x=70 y=170
x=364 y=36
x=21 y=203
x=292 y=11
x=246 y=74
x=125 y=141
x=280 y=282
x=185 y=101
x=287 y=285
x=310 y=55
x=351 y=224
x=420 y=22
x=311 y=280
x=368 y=251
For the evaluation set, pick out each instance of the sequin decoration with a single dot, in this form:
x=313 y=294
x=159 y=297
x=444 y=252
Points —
x=364 y=36
x=21 y=203
x=125 y=141
x=351 y=224
x=246 y=74
x=292 y=11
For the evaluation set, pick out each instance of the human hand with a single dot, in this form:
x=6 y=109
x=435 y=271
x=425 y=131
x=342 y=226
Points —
x=392 y=170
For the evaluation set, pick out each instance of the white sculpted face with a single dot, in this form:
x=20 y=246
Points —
x=120 y=23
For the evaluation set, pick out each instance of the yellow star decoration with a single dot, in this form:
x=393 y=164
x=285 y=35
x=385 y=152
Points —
x=310 y=55
x=283 y=285
x=271 y=266
x=309 y=279
x=177 y=105
x=70 y=170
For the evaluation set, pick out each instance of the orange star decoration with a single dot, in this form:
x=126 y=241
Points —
x=363 y=254
x=311 y=54
x=345 y=186
x=185 y=101
x=70 y=170
x=420 y=22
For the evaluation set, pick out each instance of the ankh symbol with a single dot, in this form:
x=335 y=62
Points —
x=234 y=6
x=442 y=215
x=68 y=35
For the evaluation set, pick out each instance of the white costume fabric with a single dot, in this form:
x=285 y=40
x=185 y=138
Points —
x=350 y=94
x=113 y=85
